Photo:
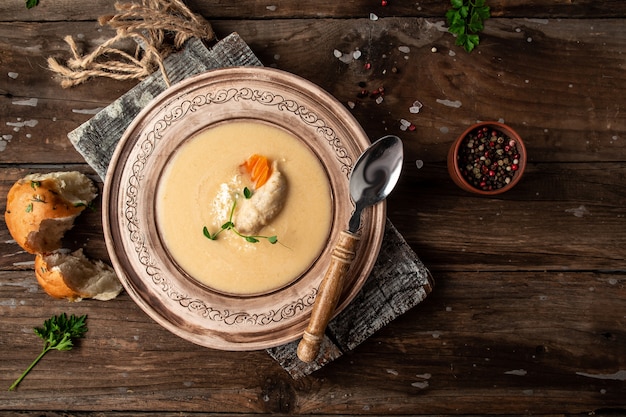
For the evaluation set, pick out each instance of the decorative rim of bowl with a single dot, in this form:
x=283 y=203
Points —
x=186 y=309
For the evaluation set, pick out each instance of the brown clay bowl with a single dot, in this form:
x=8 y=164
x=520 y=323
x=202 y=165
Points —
x=488 y=158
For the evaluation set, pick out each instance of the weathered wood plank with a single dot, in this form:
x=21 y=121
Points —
x=70 y=10
x=528 y=313
x=504 y=78
x=547 y=342
x=559 y=217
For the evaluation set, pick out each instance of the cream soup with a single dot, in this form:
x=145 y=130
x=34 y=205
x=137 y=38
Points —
x=198 y=188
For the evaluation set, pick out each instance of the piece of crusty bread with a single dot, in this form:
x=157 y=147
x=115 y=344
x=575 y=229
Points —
x=73 y=276
x=42 y=207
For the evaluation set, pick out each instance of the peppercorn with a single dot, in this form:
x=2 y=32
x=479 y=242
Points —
x=488 y=159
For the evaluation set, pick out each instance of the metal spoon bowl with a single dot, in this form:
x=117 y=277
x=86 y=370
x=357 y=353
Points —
x=372 y=179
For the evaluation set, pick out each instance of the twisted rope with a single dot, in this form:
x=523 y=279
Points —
x=150 y=25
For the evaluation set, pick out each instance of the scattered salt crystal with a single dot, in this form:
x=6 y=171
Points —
x=433 y=49
x=356 y=54
x=416 y=107
x=337 y=53
x=518 y=372
x=373 y=17
x=404 y=49
x=449 y=103
x=405 y=123
x=351 y=104
x=529 y=39
x=29 y=102
x=346 y=58
x=271 y=8
x=403 y=128
x=13 y=75
x=419 y=164
x=379 y=100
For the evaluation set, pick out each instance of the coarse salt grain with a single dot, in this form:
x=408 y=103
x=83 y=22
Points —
x=356 y=54
x=404 y=49
x=373 y=17
x=337 y=53
x=416 y=107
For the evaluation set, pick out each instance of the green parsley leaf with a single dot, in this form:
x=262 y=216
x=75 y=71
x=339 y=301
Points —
x=58 y=333
x=31 y=3
x=465 y=20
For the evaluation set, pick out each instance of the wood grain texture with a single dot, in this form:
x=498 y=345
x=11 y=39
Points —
x=62 y=10
x=528 y=314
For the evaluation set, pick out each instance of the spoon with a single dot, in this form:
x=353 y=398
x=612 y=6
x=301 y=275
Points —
x=373 y=177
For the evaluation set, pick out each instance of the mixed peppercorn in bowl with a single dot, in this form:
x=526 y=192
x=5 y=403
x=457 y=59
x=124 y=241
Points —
x=488 y=158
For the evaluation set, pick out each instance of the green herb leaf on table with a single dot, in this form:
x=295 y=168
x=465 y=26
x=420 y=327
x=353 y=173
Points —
x=465 y=20
x=31 y=3
x=58 y=333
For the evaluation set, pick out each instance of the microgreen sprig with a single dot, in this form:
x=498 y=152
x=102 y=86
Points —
x=230 y=225
x=58 y=333
x=465 y=20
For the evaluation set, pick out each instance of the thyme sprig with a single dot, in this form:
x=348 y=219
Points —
x=230 y=225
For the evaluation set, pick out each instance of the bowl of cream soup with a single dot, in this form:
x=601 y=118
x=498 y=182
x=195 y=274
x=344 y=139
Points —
x=224 y=199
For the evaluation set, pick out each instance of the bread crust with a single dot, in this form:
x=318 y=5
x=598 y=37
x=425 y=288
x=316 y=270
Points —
x=38 y=213
x=52 y=282
x=73 y=276
x=40 y=209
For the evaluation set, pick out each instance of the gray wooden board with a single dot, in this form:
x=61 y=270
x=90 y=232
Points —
x=399 y=280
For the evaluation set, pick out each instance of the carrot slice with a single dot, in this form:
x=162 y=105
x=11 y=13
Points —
x=258 y=166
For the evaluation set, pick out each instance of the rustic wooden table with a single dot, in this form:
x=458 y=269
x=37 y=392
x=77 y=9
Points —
x=528 y=315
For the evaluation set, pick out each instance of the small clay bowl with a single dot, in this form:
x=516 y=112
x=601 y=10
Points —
x=489 y=158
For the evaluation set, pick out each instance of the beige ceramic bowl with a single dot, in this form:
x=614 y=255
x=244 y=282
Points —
x=173 y=299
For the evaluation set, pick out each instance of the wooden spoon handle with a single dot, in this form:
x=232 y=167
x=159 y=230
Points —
x=327 y=296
